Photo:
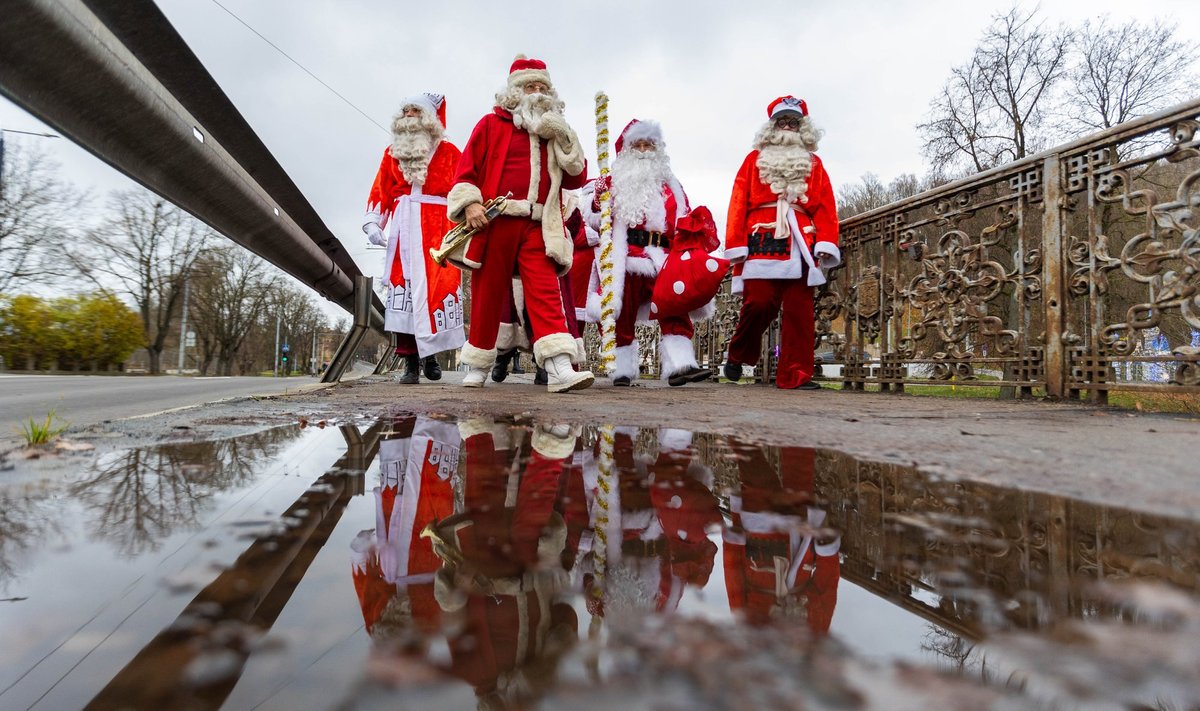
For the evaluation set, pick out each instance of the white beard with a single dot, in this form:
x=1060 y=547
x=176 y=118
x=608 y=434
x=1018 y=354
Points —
x=637 y=185
x=529 y=111
x=413 y=144
x=784 y=161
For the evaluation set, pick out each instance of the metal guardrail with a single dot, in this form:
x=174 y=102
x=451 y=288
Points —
x=119 y=80
x=1077 y=269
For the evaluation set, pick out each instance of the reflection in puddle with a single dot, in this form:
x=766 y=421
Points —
x=503 y=564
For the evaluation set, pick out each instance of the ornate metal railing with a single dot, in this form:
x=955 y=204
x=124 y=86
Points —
x=1074 y=270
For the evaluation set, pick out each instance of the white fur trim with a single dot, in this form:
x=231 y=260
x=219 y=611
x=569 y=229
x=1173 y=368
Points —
x=553 y=344
x=642 y=266
x=626 y=361
x=478 y=357
x=580 y=352
x=521 y=77
x=828 y=249
x=677 y=354
x=828 y=549
x=485 y=425
x=674 y=440
x=737 y=254
x=642 y=129
x=460 y=196
x=552 y=446
x=705 y=312
x=511 y=335
x=581 y=314
x=535 y=167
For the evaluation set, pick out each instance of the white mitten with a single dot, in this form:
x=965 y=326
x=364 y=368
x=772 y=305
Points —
x=374 y=234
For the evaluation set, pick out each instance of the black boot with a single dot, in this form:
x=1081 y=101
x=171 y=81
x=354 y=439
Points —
x=733 y=372
x=433 y=370
x=693 y=374
x=500 y=369
x=542 y=377
x=412 y=365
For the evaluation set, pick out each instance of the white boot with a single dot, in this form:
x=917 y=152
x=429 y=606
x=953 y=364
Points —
x=475 y=377
x=562 y=377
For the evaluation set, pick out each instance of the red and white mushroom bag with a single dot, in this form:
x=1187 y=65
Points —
x=690 y=277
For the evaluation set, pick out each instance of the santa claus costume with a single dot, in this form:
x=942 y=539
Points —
x=524 y=148
x=393 y=567
x=647 y=199
x=780 y=555
x=503 y=575
x=406 y=213
x=782 y=232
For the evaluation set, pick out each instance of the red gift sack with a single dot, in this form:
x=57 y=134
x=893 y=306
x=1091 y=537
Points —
x=690 y=277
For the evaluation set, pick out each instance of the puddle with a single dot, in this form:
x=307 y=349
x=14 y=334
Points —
x=420 y=562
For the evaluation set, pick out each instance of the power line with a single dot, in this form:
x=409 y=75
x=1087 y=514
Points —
x=298 y=64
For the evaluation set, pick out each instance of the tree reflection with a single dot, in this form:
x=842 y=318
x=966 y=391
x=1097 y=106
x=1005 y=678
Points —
x=26 y=520
x=142 y=496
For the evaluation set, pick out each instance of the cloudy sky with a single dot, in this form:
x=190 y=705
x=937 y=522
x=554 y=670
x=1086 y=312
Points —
x=704 y=69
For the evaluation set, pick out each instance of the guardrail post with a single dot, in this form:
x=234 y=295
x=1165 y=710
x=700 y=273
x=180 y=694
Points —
x=362 y=321
x=1053 y=277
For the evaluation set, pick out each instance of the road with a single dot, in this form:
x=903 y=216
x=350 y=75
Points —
x=82 y=400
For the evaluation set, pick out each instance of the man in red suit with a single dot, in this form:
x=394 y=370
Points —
x=647 y=200
x=782 y=232
x=406 y=213
x=780 y=555
x=524 y=148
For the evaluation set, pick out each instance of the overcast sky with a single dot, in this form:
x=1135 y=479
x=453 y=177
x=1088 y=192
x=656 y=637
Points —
x=706 y=70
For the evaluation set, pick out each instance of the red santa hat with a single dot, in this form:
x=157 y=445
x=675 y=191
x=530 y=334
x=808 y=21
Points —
x=787 y=105
x=637 y=130
x=525 y=70
x=430 y=103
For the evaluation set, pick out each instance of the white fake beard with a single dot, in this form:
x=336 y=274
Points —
x=784 y=161
x=637 y=185
x=530 y=110
x=413 y=144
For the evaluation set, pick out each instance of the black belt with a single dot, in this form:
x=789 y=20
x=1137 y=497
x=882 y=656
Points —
x=644 y=238
x=764 y=243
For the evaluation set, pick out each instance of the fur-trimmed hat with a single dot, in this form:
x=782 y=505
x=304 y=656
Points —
x=429 y=102
x=787 y=105
x=637 y=130
x=525 y=70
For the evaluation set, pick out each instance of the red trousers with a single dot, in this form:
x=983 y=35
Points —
x=638 y=289
x=761 y=301
x=406 y=344
x=515 y=246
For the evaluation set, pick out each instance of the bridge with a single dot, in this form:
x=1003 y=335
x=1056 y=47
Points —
x=1071 y=273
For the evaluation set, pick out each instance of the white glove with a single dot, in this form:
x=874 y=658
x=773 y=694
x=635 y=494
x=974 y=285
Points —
x=374 y=234
x=554 y=126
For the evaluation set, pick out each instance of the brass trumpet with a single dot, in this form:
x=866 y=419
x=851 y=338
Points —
x=458 y=236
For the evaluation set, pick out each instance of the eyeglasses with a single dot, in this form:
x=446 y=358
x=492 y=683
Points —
x=787 y=122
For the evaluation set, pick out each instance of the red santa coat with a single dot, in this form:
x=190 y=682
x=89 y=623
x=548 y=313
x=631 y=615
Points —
x=423 y=298
x=500 y=158
x=771 y=558
x=633 y=259
x=415 y=488
x=752 y=208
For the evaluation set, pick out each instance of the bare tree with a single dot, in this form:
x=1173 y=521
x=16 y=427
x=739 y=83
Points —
x=146 y=249
x=870 y=193
x=35 y=206
x=1124 y=71
x=230 y=296
x=992 y=110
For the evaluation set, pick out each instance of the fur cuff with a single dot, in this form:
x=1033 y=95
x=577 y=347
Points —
x=511 y=335
x=580 y=352
x=554 y=442
x=677 y=354
x=829 y=250
x=477 y=357
x=461 y=195
x=485 y=425
x=828 y=549
x=737 y=254
x=626 y=364
x=552 y=345
x=672 y=440
x=705 y=312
